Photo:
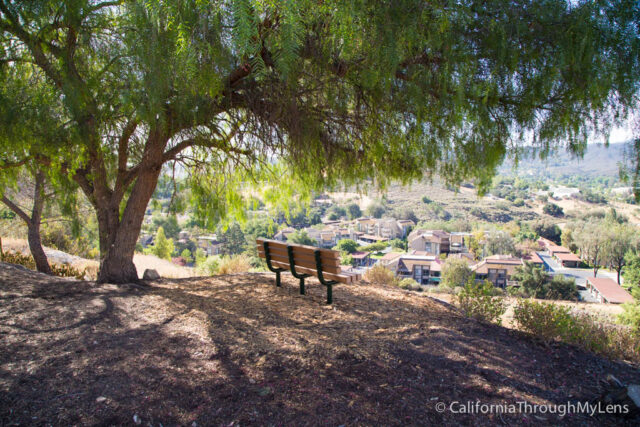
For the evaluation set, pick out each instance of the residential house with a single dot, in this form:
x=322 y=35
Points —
x=535 y=259
x=423 y=269
x=283 y=234
x=367 y=239
x=209 y=244
x=406 y=225
x=432 y=241
x=497 y=269
x=564 y=256
x=605 y=290
x=457 y=242
x=390 y=260
x=366 y=225
x=361 y=259
x=328 y=239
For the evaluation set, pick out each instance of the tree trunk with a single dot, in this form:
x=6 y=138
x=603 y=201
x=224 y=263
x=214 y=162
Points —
x=35 y=246
x=619 y=270
x=595 y=271
x=33 y=234
x=33 y=223
x=117 y=265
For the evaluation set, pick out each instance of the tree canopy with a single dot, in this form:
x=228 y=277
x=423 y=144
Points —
x=301 y=95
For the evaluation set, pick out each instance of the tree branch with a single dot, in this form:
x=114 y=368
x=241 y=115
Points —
x=16 y=209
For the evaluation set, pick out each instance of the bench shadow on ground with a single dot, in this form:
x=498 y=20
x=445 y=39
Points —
x=238 y=349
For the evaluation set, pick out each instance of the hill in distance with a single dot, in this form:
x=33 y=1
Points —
x=598 y=160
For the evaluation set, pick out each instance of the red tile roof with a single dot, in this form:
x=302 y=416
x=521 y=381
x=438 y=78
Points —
x=610 y=290
x=360 y=255
x=390 y=256
x=567 y=256
x=534 y=258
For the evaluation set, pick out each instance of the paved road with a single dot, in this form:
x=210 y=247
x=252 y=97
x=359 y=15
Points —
x=579 y=274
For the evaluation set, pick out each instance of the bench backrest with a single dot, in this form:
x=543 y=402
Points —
x=304 y=259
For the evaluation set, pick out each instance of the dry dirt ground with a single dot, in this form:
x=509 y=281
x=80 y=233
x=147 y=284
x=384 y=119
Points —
x=235 y=350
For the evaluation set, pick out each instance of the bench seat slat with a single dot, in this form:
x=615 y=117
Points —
x=327 y=254
x=297 y=256
x=304 y=262
x=346 y=278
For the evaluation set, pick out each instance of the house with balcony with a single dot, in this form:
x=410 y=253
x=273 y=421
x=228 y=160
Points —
x=362 y=259
x=497 y=269
x=425 y=270
x=432 y=241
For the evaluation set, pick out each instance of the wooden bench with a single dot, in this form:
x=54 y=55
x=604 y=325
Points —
x=305 y=261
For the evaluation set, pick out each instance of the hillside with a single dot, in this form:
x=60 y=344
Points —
x=598 y=160
x=234 y=350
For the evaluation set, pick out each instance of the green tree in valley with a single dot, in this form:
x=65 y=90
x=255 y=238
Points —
x=552 y=209
x=622 y=238
x=375 y=210
x=532 y=279
x=354 y=211
x=232 y=239
x=186 y=255
x=162 y=247
x=338 y=92
x=302 y=238
x=346 y=245
x=631 y=274
x=456 y=272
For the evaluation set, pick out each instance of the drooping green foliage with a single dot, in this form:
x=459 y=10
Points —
x=289 y=97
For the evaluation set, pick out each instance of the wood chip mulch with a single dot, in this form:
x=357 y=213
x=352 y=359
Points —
x=236 y=350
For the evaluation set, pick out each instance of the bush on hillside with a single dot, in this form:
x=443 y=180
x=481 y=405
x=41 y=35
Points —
x=410 y=284
x=234 y=264
x=553 y=210
x=476 y=300
x=551 y=322
x=380 y=275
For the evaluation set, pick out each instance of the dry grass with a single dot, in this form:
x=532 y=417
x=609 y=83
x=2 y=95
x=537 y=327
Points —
x=162 y=266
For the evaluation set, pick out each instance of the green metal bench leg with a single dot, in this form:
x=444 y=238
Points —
x=267 y=258
x=327 y=283
x=293 y=270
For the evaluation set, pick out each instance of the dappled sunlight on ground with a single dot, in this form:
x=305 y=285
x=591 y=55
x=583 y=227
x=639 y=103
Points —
x=237 y=349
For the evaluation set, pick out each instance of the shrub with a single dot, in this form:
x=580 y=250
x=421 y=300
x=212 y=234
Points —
x=518 y=202
x=553 y=209
x=426 y=200
x=375 y=247
x=443 y=289
x=60 y=270
x=546 y=321
x=476 y=300
x=208 y=266
x=409 y=284
x=20 y=259
x=554 y=322
x=380 y=275
x=456 y=272
x=234 y=264
x=346 y=245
